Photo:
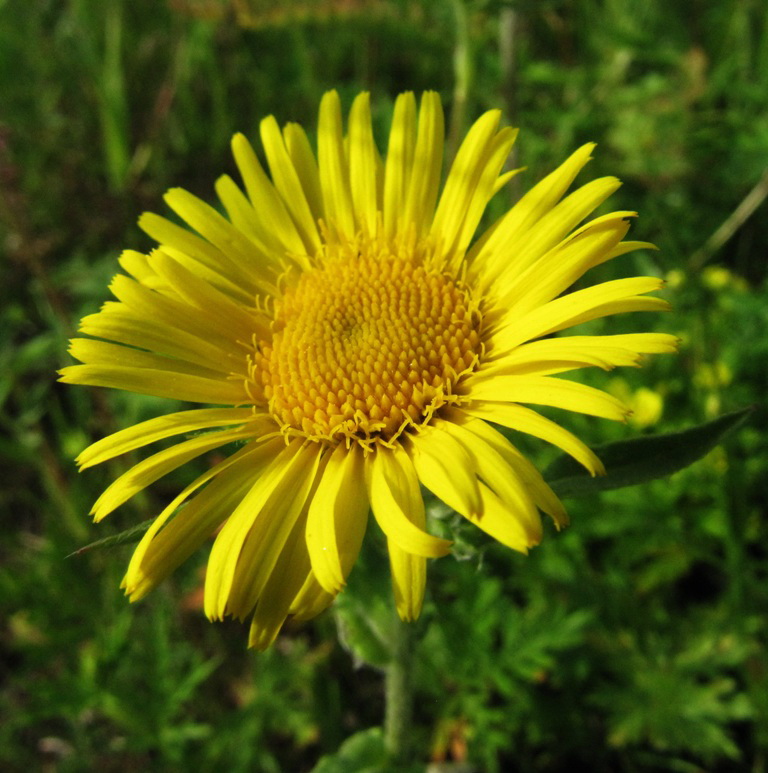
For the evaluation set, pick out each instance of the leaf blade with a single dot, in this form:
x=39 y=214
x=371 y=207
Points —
x=639 y=460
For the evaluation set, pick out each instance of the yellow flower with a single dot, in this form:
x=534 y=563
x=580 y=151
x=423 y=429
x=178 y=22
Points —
x=647 y=407
x=363 y=343
x=645 y=404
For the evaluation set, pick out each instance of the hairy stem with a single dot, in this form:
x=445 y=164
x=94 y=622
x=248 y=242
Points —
x=398 y=691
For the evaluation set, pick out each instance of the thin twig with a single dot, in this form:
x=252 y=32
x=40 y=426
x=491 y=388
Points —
x=732 y=224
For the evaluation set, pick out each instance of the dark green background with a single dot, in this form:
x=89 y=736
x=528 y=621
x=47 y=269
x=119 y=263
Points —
x=633 y=641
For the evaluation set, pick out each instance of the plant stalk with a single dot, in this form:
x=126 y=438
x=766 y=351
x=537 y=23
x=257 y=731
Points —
x=398 y=691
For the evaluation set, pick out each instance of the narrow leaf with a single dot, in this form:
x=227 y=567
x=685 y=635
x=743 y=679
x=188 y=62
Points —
x=127 y=537
x=639 y=460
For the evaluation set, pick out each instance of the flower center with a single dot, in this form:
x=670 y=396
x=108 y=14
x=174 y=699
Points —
x=365 y=345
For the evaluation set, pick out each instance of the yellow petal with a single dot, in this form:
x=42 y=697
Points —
x=362 y=164
x=151 y=431
x=305 y=165
x=465 y=170
x=409 y=580
x=334 y=169
x=645 y=343
x=200 y=256
x=389 y=494
x=222 y=234
x=245 y=218
x=137 y=265
x=446 y=469
x=116 y=322
x=288 y=184
x=559 y=268
x=270 y=532
x=94 y=352
x=166 y=545
x=503 y=179
x=225 y=553
x=496 y=157
x=530 y=210
x=242 y=323
x=556 y=355
x=525 y=420
x=311 y=600
x=542 y=236
x=274 y=221
x=501 y=522
x=465 y=174
x=544 y=390
x=154 y=467
x=542 y=495
x=631 y=246
x=427 y=164
x=158 y=383
x=552 y=360
x=503 y=481
x=397 y=175
x=614 y=297
x=174 y=314
x=337 y=518
x=409 y=572
x=285 y=582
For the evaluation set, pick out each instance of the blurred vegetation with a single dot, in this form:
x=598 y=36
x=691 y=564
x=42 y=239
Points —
x=633 y=641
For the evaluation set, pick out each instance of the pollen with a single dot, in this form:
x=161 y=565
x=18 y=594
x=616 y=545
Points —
x=366 y=345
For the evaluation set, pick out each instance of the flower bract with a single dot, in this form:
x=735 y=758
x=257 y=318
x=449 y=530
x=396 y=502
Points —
x=359 y=340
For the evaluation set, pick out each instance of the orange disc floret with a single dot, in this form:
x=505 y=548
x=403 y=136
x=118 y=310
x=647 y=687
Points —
x=366 y=344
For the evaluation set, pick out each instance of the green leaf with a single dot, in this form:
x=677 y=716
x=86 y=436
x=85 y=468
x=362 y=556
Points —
x=363 y=631
x=639 y=460
x=363 y=752
x=363 y=610
x=127 y=537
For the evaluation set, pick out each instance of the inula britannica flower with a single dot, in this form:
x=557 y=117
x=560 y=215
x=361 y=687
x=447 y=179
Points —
x=360 y=341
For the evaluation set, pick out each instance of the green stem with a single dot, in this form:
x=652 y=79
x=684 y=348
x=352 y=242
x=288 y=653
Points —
x=398 y=691
x=509 y=32
x=462 y=72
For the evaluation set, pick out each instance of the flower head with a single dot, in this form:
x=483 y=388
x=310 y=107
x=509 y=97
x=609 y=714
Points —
x=362 y=341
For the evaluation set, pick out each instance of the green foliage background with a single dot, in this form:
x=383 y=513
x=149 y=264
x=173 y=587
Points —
x=633 y=641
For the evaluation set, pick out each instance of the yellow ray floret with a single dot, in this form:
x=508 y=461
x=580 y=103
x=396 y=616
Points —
x=336 y=518
x=409 y=571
